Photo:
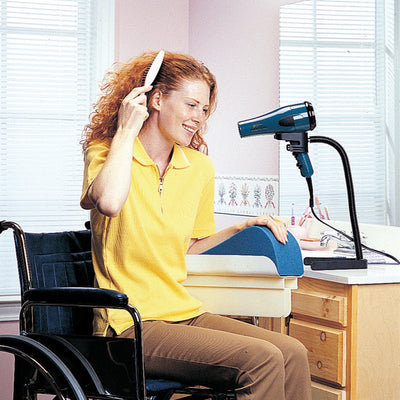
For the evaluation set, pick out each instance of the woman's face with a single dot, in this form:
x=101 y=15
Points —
x=183 y=111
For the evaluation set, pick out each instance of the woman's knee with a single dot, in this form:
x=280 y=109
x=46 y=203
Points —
x=292 y=349
x=296 y=348
x=264 y=355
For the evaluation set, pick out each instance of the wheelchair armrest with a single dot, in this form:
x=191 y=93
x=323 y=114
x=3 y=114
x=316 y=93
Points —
x=84 y=296
x=80 y=297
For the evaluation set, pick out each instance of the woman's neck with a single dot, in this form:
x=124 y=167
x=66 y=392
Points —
x=157 y=147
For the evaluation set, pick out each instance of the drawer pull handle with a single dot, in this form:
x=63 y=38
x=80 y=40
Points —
x=319 y=364
x=323 y=336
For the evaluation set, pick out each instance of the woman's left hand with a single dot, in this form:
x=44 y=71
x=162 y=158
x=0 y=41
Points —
x=277 y=227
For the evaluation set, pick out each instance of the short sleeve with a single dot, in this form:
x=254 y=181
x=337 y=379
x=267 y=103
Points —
x=95 y=156
x=205 y=222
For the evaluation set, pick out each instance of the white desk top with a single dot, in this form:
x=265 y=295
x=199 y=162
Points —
x=386 y=238
x=374 y=274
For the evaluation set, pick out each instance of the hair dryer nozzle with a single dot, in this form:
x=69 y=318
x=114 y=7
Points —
x=294 y=118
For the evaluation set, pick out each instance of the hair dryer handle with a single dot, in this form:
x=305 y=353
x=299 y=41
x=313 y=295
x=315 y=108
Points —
x=304 y=164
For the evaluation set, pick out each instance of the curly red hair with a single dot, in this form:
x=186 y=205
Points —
x=118 y=83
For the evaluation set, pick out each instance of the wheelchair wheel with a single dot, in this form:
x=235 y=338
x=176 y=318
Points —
x=55 y=374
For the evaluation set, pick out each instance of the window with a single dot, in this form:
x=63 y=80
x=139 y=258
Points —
x=341 y=56
x=49 y=61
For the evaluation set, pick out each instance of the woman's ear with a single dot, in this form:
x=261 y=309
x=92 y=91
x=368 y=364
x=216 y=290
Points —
x=155 y=100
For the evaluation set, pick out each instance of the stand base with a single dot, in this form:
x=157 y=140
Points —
x=325 y=263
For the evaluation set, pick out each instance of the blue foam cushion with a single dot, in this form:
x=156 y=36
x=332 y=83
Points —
x=260 y=241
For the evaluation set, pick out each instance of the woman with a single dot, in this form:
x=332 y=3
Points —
x=150 y=189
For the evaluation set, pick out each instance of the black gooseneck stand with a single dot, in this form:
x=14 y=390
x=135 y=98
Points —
x=326 y=263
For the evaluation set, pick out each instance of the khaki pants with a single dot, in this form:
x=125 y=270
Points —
x=221 y=352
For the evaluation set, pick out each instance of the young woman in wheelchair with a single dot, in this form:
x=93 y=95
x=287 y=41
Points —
x=149 y=186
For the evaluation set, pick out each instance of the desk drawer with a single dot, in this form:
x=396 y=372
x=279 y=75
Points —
x=322 y=306
x=322 y=392
x=327 y=350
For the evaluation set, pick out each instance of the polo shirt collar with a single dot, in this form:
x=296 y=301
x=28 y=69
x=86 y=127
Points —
x=179 y=159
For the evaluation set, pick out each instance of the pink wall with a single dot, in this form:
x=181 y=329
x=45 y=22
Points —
x=239 y=41
x=150 y=25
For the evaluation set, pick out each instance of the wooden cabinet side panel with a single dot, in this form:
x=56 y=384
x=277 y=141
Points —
x=378 y=342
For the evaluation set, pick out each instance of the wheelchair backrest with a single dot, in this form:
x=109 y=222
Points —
x=58 y=259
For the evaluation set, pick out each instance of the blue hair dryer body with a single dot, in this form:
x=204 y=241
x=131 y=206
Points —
x=289 y=123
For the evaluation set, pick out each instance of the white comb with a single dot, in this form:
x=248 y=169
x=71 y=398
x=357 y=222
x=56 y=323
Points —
x=154 y=68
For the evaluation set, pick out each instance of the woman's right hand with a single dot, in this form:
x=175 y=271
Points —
x=133 y=110
x=109 y=190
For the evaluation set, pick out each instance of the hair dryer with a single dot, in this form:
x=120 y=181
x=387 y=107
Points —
x=289 y=123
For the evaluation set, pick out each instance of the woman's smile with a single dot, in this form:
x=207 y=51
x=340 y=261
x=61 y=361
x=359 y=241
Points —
x=191 y=130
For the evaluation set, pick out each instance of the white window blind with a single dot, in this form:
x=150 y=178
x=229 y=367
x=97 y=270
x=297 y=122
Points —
x=329 y=56
x=388 y=53
x=48 y=66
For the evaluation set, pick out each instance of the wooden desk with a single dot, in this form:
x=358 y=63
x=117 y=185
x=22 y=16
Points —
x=349 y=321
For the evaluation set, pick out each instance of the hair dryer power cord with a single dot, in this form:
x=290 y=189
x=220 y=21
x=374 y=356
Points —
x=311 y=204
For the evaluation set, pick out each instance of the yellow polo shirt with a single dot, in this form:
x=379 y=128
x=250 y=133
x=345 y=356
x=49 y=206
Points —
x=141 y=252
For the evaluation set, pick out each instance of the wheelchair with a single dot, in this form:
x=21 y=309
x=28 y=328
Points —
x=55 y=352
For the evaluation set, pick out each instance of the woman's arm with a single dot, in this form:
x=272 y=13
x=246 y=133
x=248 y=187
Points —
x=110 y=188
x=198 y=246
